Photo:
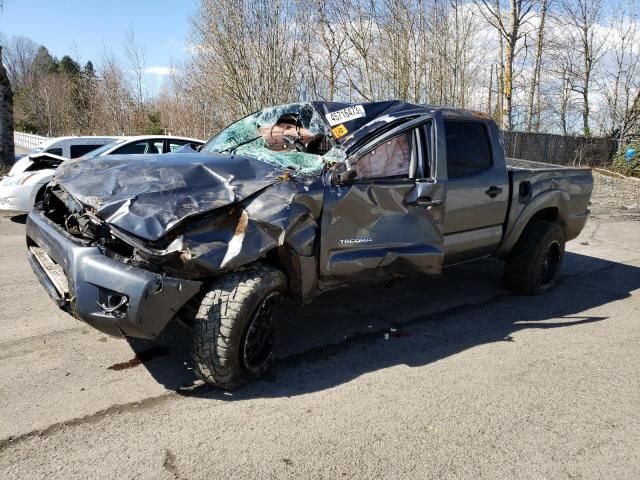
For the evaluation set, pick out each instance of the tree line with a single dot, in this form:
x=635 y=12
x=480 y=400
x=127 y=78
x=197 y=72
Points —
x=559 y=66
x=55 y=97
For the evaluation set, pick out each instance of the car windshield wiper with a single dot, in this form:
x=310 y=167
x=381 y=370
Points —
x=234 y=147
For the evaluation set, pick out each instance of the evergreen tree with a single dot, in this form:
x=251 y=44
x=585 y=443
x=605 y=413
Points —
x=69 y=66
x=44 y=63
x=88 y=71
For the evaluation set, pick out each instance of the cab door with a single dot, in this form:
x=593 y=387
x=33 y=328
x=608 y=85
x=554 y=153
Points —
x=389 y=219
x=478 y=188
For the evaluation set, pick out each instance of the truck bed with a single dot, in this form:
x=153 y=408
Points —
x=530 y=165
x=529 y=181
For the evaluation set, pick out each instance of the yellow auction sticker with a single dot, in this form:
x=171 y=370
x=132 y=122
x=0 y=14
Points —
x=339 y=131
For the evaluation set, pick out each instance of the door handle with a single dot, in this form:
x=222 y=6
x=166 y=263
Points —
x=493 y=191
x=427 y=202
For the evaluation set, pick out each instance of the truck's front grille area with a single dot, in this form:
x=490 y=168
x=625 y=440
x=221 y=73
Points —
x=58 y=206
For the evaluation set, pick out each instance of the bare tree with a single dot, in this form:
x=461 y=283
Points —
x=622 y=83
x=508 y=20
x=397 y=22
x=326 y=46
x=358 y=22
x=249 y=53
x=115 y=98
x=583 y=17
x=135 y=56
x=19 y=54
x=182 y=109
x=453 y=52
x=560 y=101
x=533 y=112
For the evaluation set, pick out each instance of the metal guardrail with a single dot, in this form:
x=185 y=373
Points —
x=27 y=140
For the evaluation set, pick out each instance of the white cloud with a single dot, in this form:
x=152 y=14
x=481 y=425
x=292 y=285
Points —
x=160 y=71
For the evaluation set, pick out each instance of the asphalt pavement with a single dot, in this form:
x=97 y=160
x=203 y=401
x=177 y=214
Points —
x=474 y=383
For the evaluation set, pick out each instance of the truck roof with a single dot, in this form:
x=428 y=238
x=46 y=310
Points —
x=353 y=122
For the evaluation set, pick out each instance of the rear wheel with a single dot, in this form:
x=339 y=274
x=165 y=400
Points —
x=533 y=266
x=234 y=335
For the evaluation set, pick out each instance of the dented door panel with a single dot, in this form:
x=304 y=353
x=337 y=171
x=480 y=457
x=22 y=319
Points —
x=375 y=229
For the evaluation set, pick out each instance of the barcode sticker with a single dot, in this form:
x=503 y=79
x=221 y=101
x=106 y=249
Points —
x=345 y=115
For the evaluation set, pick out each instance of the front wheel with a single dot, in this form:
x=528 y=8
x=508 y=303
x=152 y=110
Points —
x=233 y=334
x=533 y=266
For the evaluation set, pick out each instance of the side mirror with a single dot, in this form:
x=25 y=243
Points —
x=342 y=178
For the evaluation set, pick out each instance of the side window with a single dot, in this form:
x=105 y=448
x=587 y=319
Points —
x=54 y=151
x=132 y=148
x=155 y=146
x=389 y=159
x=468 y=148
x=140 y=147
x=80 y=150
x=176 y=145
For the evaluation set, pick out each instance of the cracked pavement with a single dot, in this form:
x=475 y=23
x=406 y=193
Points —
x=477 y=383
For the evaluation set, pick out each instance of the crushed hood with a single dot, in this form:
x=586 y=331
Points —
x=147 y=195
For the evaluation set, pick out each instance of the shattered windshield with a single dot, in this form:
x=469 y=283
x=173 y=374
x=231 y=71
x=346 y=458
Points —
x=291 y=136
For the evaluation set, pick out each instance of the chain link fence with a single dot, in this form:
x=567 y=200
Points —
x=560 y=149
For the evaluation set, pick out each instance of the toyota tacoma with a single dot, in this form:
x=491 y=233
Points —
x=292 y=201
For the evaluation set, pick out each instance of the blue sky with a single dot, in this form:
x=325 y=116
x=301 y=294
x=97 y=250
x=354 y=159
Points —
x=93 y=26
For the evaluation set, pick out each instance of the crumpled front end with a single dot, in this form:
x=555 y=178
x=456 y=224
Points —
x=117 y=299
x=277 y=222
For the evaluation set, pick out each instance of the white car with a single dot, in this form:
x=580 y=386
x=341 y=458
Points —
x=68 y=147
x=73 y=147
x=27 y=179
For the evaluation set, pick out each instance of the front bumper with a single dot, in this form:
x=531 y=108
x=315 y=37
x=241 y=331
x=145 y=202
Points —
x=115 y=298
x=18 y=198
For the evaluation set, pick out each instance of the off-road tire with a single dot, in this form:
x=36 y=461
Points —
x=525 y=271
x=222 y=323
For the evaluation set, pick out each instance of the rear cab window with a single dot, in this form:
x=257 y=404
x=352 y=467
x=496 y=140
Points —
x=80 y=150
x=468 y=148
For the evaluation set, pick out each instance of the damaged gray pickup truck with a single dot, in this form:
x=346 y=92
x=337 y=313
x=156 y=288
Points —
x=293 y=201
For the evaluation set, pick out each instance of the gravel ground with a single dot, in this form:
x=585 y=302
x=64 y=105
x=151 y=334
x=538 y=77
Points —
x=615 y=192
